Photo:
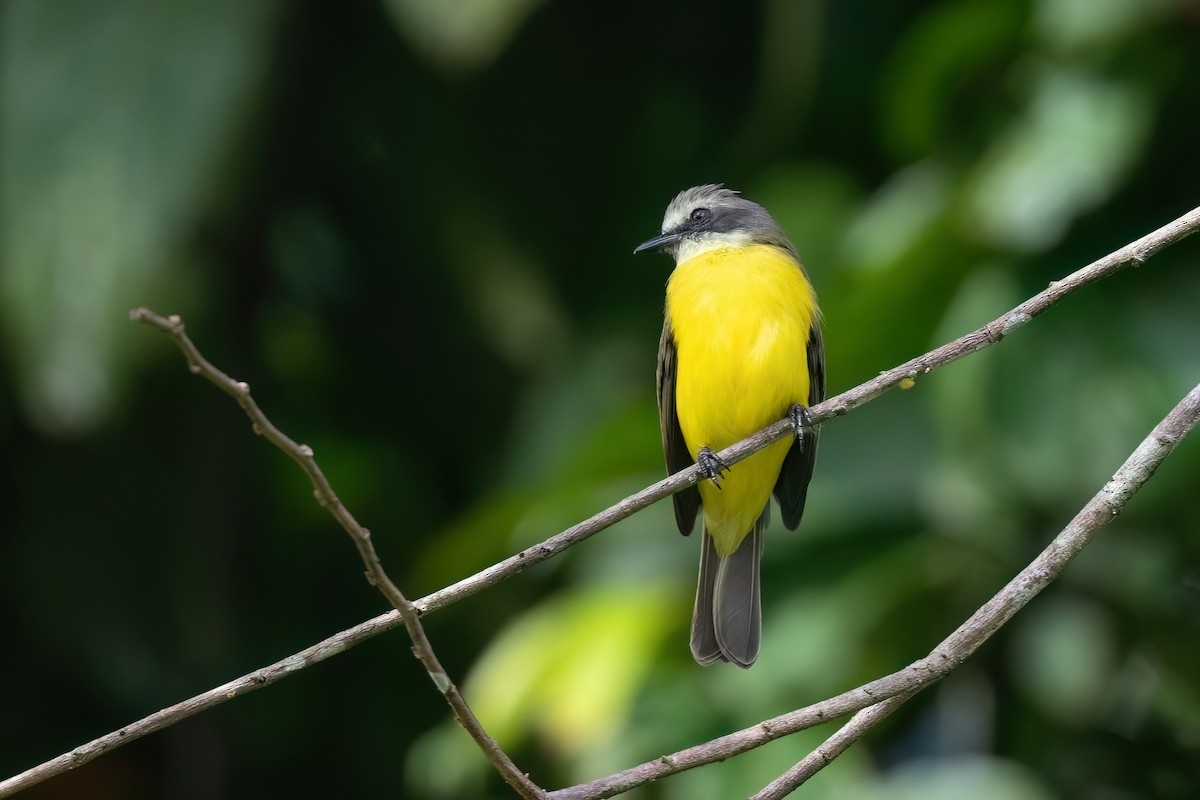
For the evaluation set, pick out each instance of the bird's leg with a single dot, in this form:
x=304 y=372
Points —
x=798 y=414
x=711 y=465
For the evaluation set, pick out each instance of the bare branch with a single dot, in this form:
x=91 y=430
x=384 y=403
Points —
x=831 y=748
x=944 y=658
x=991 y=333
x=201 y=702
x=1137 y=252
x=1099 y=511
x=302 y=454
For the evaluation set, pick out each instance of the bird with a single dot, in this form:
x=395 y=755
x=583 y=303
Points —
x=741 y=348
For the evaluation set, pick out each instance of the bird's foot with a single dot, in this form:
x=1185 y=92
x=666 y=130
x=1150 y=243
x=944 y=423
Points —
x=798 y=414
x=711 y=465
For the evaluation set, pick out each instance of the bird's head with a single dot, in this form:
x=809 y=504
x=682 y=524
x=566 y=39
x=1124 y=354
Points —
x=709 y=217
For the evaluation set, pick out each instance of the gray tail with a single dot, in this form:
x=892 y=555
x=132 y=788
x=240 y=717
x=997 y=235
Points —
x=727 y=620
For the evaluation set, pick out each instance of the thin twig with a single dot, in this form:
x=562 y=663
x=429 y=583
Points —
x=302 y=454
x=1099 y=511
x=831 y=748
x=201 y=702
x=953 y=650
x=1136 y=252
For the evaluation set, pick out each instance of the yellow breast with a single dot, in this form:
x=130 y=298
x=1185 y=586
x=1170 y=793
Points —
x=741 y=318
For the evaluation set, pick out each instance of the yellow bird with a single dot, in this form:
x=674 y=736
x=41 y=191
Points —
x=741 y=348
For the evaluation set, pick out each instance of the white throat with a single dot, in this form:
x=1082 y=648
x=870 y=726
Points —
x=689 y=248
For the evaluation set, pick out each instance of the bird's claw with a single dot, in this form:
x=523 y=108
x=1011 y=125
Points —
x=798 y=414
x=711 y=465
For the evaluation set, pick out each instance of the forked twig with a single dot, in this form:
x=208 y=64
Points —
x=302 y=454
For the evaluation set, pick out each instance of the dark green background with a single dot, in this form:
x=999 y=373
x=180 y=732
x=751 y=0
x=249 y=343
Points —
x=408 y=226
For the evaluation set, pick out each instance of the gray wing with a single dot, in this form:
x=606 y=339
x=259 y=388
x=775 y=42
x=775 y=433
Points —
x=687 y=502
x=791 y=489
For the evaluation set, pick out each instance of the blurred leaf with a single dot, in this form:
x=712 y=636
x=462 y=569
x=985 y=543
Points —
x=567 y=671
x=960 y=492
x=1078 y=137
x=1063 y=656
x=1080 y=25
x=446 y=763
x=895 y=219
x=903 y=255
x=508 y=293
x=113 y=120
x=977 y=777
x=938 y=68
x=814 y=203
x=463 y=35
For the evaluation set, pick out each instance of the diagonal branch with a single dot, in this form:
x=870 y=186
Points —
x=831 y=748
x=1136 y=252
x=1099 y=511
x=882 y=696
x=302 y=454
x=170 y=715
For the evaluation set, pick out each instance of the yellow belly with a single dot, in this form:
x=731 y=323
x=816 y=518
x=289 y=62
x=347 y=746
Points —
x=741 y=319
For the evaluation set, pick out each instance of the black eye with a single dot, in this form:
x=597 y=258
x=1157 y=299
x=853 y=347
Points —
x=699 y=214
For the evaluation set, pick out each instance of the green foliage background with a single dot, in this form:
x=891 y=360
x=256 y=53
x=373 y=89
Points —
x=408 y=225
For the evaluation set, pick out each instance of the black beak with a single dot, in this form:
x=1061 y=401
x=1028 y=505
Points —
x=658 y=242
